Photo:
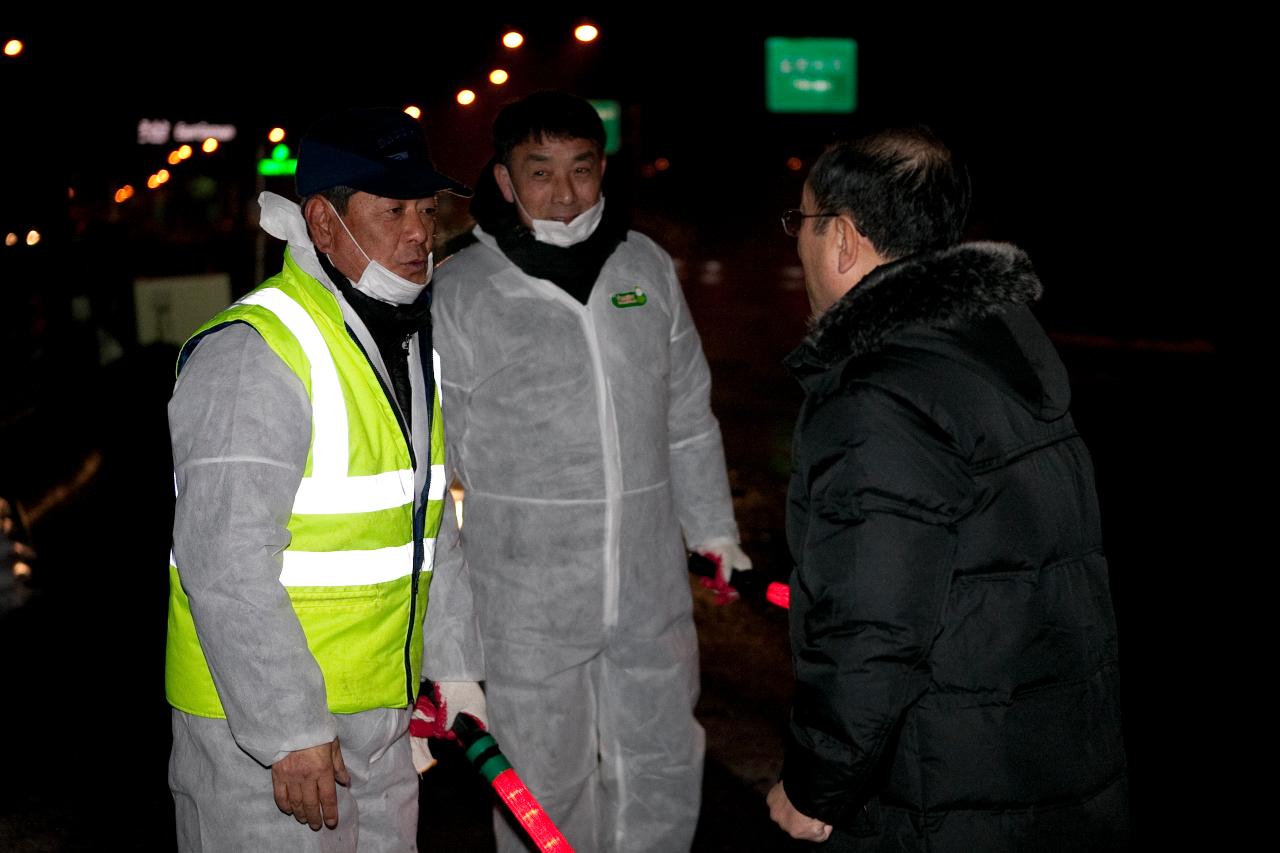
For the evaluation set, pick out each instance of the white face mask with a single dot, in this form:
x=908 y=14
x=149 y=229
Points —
x=564 y=234
x=381 y=283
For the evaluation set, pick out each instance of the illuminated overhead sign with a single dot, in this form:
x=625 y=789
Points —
x=279 y=164
x=159 y=131
x=811 y=75
x=611 y=115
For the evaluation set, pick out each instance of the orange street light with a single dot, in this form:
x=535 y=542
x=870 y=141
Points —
x=11 y=239
x=184 y=152
x=276 y=134
x=497 y=76
x=13 y=47
x=412 y=111
x=585 y=33
x=513 y=39
x=33 y=237
x=466 y=97
x=209 y=146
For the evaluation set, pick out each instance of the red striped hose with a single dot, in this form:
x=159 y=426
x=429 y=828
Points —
x=483 y=753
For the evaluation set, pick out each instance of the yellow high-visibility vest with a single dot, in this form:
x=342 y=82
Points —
x=353 y=568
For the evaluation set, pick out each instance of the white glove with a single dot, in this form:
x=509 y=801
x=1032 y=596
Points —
x=729 y=558
x=438 y=706
x=727 y=555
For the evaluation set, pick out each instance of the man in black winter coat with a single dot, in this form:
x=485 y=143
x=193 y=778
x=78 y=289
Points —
x=952 y=629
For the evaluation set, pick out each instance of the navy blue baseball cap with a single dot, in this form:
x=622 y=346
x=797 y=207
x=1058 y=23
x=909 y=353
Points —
x=381 y=151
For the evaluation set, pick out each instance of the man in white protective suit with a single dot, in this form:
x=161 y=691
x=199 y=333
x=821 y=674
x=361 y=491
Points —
x=577 y=414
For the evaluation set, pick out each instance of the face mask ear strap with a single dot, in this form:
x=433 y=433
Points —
x=520 y=205
x=348 y=230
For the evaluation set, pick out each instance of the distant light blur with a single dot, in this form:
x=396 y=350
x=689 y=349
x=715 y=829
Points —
x=276 y=134
x=585 y=32
x=458 y=495
x=466 y=97
x=662 y=164
x=210 y=145
x=513 y=39
x=184 y=152
x=162 y=176
x=13 y=47
x=124 y=193
x=497 y=76
x=412 y=111
x=795 y=164
x=11 y=239
x=33 y=237
x=153 y=182
x=174 y=158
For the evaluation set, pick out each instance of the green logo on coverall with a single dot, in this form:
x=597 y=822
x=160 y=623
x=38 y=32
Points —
x=629 y=298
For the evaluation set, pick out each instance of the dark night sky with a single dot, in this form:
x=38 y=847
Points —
x=1068 y=123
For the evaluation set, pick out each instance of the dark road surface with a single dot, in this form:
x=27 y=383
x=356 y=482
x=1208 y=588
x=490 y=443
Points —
x=84 y=720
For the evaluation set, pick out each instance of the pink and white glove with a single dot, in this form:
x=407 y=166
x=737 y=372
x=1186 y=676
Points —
x=439 y=704
x=729 y=558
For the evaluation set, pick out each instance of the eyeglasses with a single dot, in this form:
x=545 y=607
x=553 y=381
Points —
x=793 y=220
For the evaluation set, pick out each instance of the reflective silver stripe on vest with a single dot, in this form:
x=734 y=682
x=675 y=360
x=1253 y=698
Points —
x=436 y=490
x=329 y=491
x=354 y=494
x=350 y=568
x=328 y=409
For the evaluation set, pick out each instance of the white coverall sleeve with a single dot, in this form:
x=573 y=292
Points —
x=239 y=455
x=699 y=481
x=452 y=649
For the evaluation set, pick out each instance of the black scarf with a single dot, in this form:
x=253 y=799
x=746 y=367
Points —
x=391 y=327
x=574 y=269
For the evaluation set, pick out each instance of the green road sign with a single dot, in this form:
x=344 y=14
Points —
x=811 y=75
x=611 y=114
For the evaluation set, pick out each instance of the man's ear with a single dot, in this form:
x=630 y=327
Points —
x=503 y=177
x=848 y=244
x=604 y=161
x=319 y=223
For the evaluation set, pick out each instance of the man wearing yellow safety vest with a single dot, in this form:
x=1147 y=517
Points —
x=309 y=466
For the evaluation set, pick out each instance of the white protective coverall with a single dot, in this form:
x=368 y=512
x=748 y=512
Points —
x=240 y=422
x=584 y=439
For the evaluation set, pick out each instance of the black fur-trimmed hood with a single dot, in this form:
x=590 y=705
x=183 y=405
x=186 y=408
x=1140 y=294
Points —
x=965 y=282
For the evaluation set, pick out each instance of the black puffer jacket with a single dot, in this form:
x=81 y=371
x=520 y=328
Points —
x=952 y=627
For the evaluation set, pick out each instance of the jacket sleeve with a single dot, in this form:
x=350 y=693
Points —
x=452 y=648
x=699 y=481
x=880 y=487
x=237 y=467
